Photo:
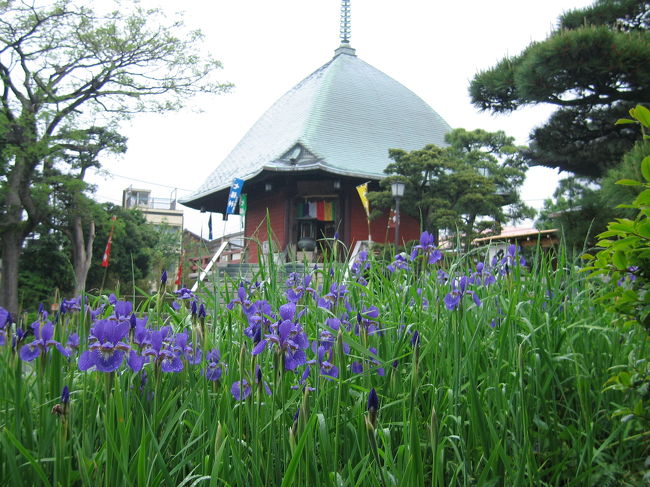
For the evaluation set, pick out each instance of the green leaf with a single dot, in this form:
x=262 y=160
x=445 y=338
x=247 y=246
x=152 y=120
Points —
x=645 y=168
x=628 y=182
x=623 y=225
x=622 y=121
x=619 y=260
x=643 y=199
x=642 y=114
x=33 y=461
x=644 y=230
x=295 y=459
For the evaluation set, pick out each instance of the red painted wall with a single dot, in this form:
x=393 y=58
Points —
x=276 y=204
x=256 y=225
x=409 y=227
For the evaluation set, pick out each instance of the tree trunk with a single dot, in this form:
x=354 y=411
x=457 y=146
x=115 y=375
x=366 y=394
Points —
x=82 y=253
x=11 y=244
x=469 y=232
x=17 y=201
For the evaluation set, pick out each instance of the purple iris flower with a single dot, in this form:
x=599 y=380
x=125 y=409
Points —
x=367 y=319
x=163 y=277
x=415 y=340
x=106 y=351
x=298 y=287
x=184 y=293
x=242 y=299
x=261 y=383
x=325 y=341
x=442 y=276
x=184 y=349
x=482 y=276
x=427 y=248
x=630 y=275
x=356 y=367
x=213 y=370
x=360 y=264
x=43 y=334
x=180 y=345
x=140 y=333
x=135 y=361
x=401 y=262
x=259 y=315
x=94 y=313
x=333 y=323
x=337 y=292
x=70 y=305
x=5 y=321
x=325 y=359
x=5 y=318
x=160 y=353
x=122 y=310
x=511 y=257
x=240 y=390
x=373 y=401
x=289 y=338
x=303 y=378
x=72 y=345
x=65 y=395
x=373 y=407
x=376 y=363
x=459 y=289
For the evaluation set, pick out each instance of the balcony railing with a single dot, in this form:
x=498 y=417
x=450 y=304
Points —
x=152 y=203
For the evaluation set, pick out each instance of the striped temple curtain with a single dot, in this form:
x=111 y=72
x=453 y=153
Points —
x=322 y=210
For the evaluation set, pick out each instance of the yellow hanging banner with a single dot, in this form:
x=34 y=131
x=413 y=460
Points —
x=362 y=189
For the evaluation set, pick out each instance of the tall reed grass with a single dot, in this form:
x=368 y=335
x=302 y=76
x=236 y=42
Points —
x=484 y=373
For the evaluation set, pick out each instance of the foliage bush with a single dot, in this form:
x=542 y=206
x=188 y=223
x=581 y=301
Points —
x=624 y=258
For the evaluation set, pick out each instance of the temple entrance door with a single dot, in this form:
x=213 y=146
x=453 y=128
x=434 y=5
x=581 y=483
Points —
x=316 y=220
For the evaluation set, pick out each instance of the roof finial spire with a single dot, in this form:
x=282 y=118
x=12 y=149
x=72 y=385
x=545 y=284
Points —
x=345 y=22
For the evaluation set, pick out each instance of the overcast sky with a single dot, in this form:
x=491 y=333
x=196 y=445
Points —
x=434 y=48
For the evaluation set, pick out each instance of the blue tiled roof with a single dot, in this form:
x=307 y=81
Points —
x=341 y=119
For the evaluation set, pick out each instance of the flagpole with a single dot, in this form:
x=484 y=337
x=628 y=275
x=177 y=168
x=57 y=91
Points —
x=103 y=279
x=107 y=253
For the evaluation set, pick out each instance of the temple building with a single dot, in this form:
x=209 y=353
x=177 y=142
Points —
x=303 y=159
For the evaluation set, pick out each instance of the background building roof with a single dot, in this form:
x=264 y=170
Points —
x=342 y=119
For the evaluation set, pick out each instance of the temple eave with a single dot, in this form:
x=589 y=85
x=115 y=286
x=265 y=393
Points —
x=215 y=199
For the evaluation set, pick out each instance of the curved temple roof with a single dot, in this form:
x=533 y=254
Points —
x=341 y=119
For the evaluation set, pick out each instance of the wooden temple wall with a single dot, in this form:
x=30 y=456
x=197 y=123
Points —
x=256 y=229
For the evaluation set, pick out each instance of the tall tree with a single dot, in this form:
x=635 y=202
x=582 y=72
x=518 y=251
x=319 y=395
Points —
x=465 y=188
x=72 y=211
x=594 y=66
x=132 y=253
x=46 y=269
x=64 y=70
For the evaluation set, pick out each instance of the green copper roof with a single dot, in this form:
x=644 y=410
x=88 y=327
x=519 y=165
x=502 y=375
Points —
x=341 y=119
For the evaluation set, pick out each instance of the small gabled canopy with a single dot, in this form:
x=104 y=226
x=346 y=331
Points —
x=341 y=119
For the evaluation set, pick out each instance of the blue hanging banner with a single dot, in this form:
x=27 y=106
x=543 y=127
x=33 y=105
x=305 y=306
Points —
x=233 y=197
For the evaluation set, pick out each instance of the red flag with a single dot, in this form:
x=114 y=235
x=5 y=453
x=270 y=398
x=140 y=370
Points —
x=107 y=251
x=179 y=274
x=392 y=218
